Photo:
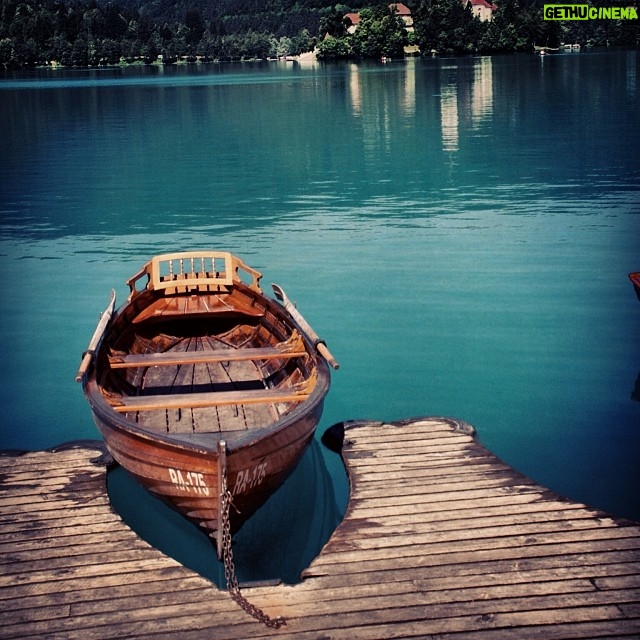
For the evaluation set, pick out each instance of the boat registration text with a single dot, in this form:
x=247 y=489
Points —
x=249 y=478
x=189 y=481
x=246 y=479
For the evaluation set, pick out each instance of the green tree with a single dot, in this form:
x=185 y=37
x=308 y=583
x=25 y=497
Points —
x=6 y=52
x=93 y=23
x=282 y=46
x=333 y=23
x=446 y=27
x=302 y=42
x=79 y=53
x=230 y=48
x=380 y=33
x=61 y=49
x=148 y=50
x=332 y=48
x=512 y=30
x=257 y=45
x=109 y=51
x=208 y=47
x=115 y=26
x=194 y=22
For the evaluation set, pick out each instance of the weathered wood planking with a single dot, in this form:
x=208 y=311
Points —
x=440 y=540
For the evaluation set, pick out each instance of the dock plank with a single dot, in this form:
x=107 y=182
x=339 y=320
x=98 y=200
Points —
x=440 y=539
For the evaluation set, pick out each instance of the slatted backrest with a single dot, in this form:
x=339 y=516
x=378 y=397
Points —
x=193 y=269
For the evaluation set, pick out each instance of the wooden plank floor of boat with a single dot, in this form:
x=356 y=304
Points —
x=440 y=540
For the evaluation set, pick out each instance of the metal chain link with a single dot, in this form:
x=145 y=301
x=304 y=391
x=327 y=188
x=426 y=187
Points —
x=229 y=568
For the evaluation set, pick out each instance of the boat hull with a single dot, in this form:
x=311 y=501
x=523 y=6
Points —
x=188 y=478
x=201 y=385
x=635 y=279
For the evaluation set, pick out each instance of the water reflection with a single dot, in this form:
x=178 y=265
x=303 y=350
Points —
x=466 y=101
x=408 y=102
x=632 y=69
x=408 y=93
x=460 y=275
x=449 y=117
x=203 y=155
x=482 y=91
x=355 y=89
x=465 y=93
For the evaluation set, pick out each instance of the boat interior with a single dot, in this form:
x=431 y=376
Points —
x=202 y=367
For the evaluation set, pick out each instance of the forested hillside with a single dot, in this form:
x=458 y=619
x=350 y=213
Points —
x=280 y=17
x=106 y=32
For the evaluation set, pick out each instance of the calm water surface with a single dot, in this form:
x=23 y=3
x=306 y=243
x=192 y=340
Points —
x=459 y=230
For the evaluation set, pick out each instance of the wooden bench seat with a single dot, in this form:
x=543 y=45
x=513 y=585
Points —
x=200 y=357
x=209 y=399
x=204 y=305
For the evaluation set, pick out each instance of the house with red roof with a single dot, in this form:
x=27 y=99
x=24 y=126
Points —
x=355 y=19
x=482 y=9
x=401 y=10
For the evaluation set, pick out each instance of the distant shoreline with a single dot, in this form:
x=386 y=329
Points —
x=308 y=56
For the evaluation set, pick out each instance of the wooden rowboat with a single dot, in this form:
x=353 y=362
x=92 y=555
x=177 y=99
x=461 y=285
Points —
x=635 y=279
x=203 y=386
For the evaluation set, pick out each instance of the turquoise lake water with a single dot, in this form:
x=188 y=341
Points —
x=459 y=230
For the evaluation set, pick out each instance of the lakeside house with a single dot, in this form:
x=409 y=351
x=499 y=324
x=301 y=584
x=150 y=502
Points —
x=482 y=9
x=401 y=10
x=404 y=13
x=355 y=19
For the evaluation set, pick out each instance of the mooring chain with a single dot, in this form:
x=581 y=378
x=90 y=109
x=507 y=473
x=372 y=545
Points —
x=229 y=568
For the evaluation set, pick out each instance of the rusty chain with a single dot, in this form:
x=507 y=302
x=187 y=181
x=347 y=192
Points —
x=229 y=568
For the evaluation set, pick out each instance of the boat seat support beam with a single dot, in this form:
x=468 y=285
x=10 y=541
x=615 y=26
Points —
x=200 y=357
x=211 y=399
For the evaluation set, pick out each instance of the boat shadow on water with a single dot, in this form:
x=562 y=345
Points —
x=275 y=545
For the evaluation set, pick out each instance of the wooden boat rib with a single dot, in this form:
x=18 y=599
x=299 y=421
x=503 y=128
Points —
x=200 y=378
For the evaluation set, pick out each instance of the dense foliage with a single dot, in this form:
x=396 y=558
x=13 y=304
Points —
x=90 y=32
x=380 y=33
x=517 y=25
x=84 y=32
x=449 y=26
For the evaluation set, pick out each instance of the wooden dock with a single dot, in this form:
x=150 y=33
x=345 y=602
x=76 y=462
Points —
x=440 y=540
